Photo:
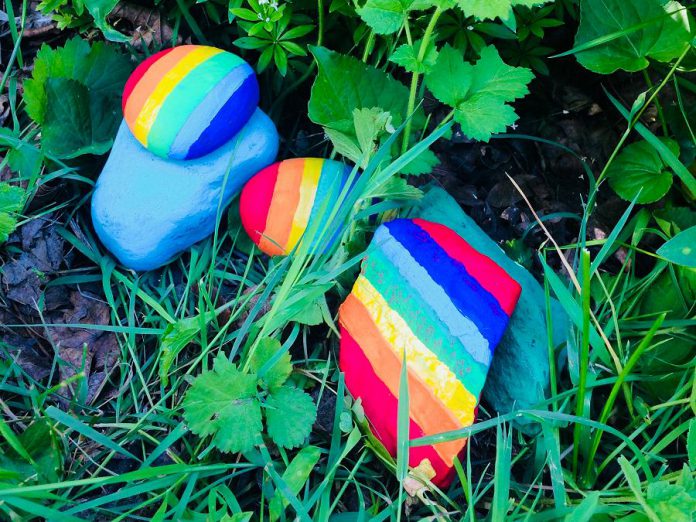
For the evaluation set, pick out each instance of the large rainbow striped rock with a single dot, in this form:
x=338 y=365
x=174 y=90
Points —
x=425 y=292
x=278 y=203
x=187 y=101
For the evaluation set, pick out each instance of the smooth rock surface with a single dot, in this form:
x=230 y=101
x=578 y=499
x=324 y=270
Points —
x=278 y=204
x=519 y=375
x=424 y=292
x=187 y=101
x=148 y=209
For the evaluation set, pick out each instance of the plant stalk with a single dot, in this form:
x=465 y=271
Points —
x=414 y=79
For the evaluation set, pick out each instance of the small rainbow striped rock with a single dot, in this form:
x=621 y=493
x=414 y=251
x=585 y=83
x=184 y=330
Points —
x=425 y=292
x=278 y=203
x=185 y=102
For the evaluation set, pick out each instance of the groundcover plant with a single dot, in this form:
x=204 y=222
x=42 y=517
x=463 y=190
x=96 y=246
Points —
x=557 y=138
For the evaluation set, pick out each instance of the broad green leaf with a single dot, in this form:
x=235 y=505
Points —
x=640 y=168
x=681 y=249
x=450 y=77
x=74 y=95
x=223 y=403
x=387 y=16
x=273 y=359
x=344 y=84
x=623 y=35
x=295 y=476
x=489 y=9
x=478 y=93
x=11 y=203
x=481 y=116
x=77 y=120
x=290 y=414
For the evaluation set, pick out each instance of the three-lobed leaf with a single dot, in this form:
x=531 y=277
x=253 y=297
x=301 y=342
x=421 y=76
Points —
x=479 y=93
x=223 y=403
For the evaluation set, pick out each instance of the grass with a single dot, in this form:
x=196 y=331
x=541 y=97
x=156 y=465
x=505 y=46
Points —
x=614 y=439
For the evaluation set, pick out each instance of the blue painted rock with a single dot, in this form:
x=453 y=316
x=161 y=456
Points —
x=185 y=102
x=147 y=209
x=278 y=203
x=425 y=293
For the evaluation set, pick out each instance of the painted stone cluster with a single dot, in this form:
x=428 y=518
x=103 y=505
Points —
x=192 y=135
x=278 y=203
x=425 y=292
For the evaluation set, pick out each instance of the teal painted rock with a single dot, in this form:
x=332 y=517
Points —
x=519 y=375
x=147 y=209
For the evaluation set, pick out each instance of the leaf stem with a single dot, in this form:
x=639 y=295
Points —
x=414 y=79
x=658 y=105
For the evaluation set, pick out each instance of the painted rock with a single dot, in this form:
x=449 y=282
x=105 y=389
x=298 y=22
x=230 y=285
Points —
x=185 y=102
x=147 y=209
x=425 y=292
x=278 y=203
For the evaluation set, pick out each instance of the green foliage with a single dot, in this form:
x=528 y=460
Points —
x=640 y=173
x=270 y=31
x=479 y=94
x=344 y=84
x=227 y=402
x=74 y=95
x=489 y=9
x=295 y=476
x=32 y=457
x=615 y=34
x=407 y=57
x=681 y=249
x=11 y=203
x=388 y=16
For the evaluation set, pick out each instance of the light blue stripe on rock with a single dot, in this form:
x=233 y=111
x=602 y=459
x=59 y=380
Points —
x=418 y=277
x=204 y=113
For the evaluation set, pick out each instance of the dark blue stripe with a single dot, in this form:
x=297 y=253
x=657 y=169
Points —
x=231 y=118
x=470 y=298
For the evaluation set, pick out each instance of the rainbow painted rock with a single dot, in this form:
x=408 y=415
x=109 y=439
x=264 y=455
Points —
x=425 y=292
x=278 y=203
x=185 y=102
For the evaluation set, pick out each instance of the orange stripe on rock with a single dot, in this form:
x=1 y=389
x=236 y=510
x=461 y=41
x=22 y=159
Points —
x=149 y=81
x=286 y=196
x=425 y=409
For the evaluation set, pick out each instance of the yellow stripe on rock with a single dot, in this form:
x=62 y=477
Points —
x=308 y=189
x=167 y=84
x=434 y=373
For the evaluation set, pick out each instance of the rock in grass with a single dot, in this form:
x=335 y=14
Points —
x=185 y=102
x=520 y=372
x=424 y=292
x=147 y=209
x=279 y=203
